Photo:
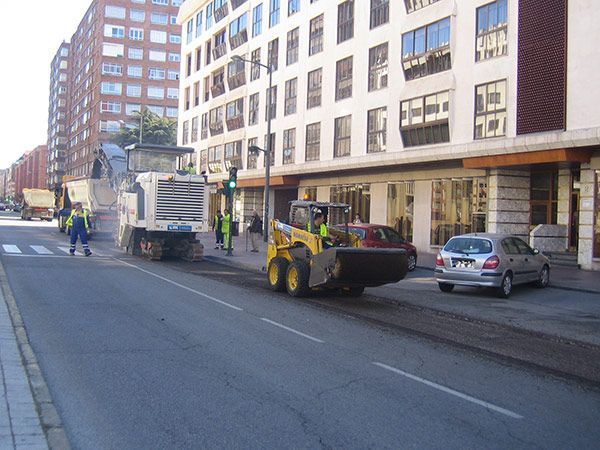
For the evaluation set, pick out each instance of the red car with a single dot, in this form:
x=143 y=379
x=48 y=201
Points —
x=382 y=236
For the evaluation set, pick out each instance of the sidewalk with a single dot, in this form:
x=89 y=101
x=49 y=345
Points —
x=565 y=278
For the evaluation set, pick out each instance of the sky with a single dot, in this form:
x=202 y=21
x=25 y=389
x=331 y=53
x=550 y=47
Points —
x=29 y=38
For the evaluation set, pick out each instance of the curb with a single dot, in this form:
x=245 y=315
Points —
x=51 y=423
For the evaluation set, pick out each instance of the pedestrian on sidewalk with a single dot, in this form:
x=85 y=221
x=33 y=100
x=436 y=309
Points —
x=255 y=231
x=218 y=229
x=79 y=224
x=226 y=228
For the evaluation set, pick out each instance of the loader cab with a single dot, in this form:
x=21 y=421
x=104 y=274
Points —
x=303 y=213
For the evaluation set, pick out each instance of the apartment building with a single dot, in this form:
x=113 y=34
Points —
x=57 y=117
x=124 y=57
x=437 y=117
x=30 y=170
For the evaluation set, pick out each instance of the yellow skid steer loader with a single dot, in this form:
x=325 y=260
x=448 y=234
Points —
x=301 y=261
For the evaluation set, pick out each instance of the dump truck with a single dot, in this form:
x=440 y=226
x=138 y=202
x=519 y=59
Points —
x=37 y=203
x=300 y=261
x=97 y=197
x=160 y=208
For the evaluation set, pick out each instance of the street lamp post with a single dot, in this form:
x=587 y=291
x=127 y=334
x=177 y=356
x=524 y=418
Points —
x=267 y=150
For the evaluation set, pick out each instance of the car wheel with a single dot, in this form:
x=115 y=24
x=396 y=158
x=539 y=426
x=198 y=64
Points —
x=544 y=278
x=276 y=273
x=505 y=288
x=445 y=287
x=412 y=262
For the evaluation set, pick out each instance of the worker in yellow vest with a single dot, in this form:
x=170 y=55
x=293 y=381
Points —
x=226 y=229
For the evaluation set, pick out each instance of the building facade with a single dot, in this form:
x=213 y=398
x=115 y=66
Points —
x=435 y=117
x=30 y=171
x=124 y=57
x=57 y=116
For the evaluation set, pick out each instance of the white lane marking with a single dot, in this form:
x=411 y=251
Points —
x=11 y=249
x=64 y=249
x=20 y=255
x=447 y=390
x=41 y=250
x=291 y=330
x=174 y=283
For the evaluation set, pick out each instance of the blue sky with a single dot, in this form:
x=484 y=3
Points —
x=30 y=35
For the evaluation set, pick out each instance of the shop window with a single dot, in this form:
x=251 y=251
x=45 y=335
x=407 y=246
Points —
x=401 y=198
x=597 y=218
x=544 y=198
x=358 y=196
x=457 y=207
x=310 y=194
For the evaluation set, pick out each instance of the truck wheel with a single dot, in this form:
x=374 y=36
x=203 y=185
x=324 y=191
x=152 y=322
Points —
x=356 y=291
x=277 y=273
x=296 y=279
x=445 y=287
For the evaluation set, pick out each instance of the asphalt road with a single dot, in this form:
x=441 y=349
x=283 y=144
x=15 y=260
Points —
x=148 y=355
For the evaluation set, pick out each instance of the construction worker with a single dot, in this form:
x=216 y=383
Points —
x=190 y=168
x=226 y=229
x=321 y=229
x=79 y=224
x=218 y=229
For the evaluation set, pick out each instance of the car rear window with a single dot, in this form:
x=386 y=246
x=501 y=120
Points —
x=469 y=246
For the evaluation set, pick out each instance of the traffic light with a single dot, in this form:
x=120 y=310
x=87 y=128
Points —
x=232 y=184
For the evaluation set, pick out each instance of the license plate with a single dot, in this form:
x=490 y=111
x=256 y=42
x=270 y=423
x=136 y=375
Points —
x=462 y=263
x=179 y=227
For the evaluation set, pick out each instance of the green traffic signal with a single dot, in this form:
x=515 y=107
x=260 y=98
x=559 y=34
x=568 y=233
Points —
x=232 y=184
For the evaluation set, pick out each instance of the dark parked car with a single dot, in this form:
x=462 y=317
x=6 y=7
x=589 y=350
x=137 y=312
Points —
x=382 y=236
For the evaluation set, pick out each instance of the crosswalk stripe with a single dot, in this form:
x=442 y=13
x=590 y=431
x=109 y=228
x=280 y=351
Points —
x=64 y=249
x=11 y=249
x=41 y=250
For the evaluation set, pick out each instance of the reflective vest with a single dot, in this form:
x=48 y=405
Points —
x=76 y=217
x=323 y=230
x=226 y=223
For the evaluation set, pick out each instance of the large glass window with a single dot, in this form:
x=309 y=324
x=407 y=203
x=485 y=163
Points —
x=378 y=67
x=380 y=12
x=315 y=82
x=426 y=50
x=257 y=20
x=274 y=13
x=289 y=145
x=358 y=196
x=291 y=94
x=413 y=5
x=293 y=41
x=492 y=30
x=457 y=207
x=490 y=110
x=424 y=120
x=544 y=198
x=345 y=21
x=343 y=79
x=313 y=141
x=273 y=54
x=377 y=130
x=400 y=208
x=342 y=136
x=316 y=35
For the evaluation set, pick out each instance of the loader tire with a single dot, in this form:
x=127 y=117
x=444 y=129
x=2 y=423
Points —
x=277 y=273
x=296 y=279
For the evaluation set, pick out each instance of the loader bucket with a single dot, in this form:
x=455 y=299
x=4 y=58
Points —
x=339 y=267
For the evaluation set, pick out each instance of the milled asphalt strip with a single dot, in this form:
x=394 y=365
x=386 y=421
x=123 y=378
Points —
x=50 y=420
x=299 y=333
x=174 y=283
x=447 y=390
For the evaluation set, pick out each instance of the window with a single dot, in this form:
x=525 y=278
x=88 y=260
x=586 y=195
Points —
x=400 y=208
x=158 y=37
x=233 y=155
x=343 y=79
x=316 y=36
x=377 y=130
x=253 y=109
x=215 y=121
x=492 y=30
x=252 y=157
x=218 y=82
x=136 y=15
x=234 y=114
x=114 y=31
x=156 y=74
x=544 y=198
x=426 y=51
x=378 y=67
x=424 y=120
x=220 y=45
x=313 y=142
x=198 y=58
x=157 y=55
x=315 y=81
x=199 y=24
x=238 y=34
x=160 y=2
x=134 y=71
x=255 y=68
x=173 y=75
x=131 y=109
x=490 y=110
x=185 y=131
x=270 y=144
x=188 y=65
x=110 y=107
x=108 y=87
x=596 y=230
x=155 y=109
x=457 y=207
x=136 y=34
x=113 y=50
x=135 y=53
x=236 y=74
x=273 y=54
x=380 y=12
x=345 y=21
x=257 y=20
x=293 y=7
x=274 y=13
x=358 y=196
x=291 y=93
x=204 y=126
x=272 y=105
x=112 y=69
x=173 y=93
x=342 y=135
x=134 y=90
x=289 y=145
x=159 y=18
x=109 y=126
x=190 y=31
x=171 y=112
x=209 y=15
x=174 y=57
x=175 y=39
x=215 y=159
x=114 y=12
x=413 y=5
x=292 y=46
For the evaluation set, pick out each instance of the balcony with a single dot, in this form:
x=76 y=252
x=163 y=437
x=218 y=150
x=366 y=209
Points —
x=238 y=39
x=217 y=89
x=221 y=12
x=237 y=80
x=219 y=50
x=235 y=122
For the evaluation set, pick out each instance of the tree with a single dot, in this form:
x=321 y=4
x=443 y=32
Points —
x=155 y=130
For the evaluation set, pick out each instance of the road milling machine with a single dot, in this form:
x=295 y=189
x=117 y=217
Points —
x=300 y=261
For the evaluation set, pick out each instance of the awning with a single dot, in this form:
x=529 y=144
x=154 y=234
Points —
x=561 y=155
x=277 y=181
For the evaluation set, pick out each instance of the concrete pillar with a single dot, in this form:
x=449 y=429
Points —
x=508 y=202
x=564 y=197
x=323 y=193
x=586 y=218
x=379 y=203
x=422 y=216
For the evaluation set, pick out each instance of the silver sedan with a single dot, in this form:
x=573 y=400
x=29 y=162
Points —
x=490 y=260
